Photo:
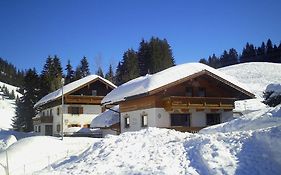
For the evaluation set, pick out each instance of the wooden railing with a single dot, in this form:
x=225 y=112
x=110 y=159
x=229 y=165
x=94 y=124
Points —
x=42 y=119
x=179 y=102
x=186 y=129
x=79 y=99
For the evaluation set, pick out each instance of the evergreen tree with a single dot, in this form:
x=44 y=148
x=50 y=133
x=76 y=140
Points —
x=224 y=59
x=85 y=71
x=233 y=56
x=261 y=53
x=248 y=54
x=161 y=55
x=69 y=73
x=130 y=66
x=100 y=72
x=214 y=61
x=269 y=51
x=203 y=61
x=144 y=57
x=110 y=74
x=118 y=74
x=24 y=109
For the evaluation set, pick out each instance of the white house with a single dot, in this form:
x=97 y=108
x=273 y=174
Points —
x=82 y=103
x=186 y=97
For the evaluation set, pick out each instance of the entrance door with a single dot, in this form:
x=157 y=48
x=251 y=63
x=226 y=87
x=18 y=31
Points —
x=180 y=120
x=48 y=130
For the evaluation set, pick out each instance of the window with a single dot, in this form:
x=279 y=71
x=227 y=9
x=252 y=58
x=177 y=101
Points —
x=94 y=92
x=188 y=91
x=48 y=130
x=43 y=113
x=213 y=119
x=201 y=92
x=35 y=128
x=58 y=111
x=58 y=128
x=75 y=110
x=38 y=128
x=127 y=122
x=180 y=120
x=51 y=112
x=74 y=125
x=144 y=120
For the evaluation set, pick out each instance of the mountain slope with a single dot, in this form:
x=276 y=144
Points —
x=7 y=107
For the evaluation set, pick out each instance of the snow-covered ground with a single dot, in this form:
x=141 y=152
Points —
x=250 y=144
x=7 y=107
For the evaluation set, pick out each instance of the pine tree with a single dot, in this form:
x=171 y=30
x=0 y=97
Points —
x=224 y=59
x=161 y=55
x=214 y=61
x=110 y=74
x=118 y=74
x=130 y=66
x=100 y=72
x=24 y=109
x=144 y=57
x=269 y=51
x=69 y=73
x=85 y=71
x=203 y=61
x=233 y=57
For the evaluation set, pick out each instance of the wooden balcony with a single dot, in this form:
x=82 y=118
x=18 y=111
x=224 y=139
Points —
x=186 y=129
x=41 y=119
x=79 y=99
x=179 y=102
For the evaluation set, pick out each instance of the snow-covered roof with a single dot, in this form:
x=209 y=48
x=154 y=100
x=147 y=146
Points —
x=69 y=88
x=106 y=119
x=148 y=83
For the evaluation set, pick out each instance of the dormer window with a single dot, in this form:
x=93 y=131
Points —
x=94 y=92
x=188 y=91
x=201 y=92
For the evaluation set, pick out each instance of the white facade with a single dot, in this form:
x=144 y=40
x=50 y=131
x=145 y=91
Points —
x=69 y=120
x=158 y=117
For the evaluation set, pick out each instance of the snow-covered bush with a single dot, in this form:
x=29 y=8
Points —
x=272 y=95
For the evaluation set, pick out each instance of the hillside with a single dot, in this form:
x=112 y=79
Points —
x=247 y=145
x=7 y=107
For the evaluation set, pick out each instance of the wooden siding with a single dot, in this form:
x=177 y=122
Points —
x=140 y=103
x=78 y=99
x=179 y=102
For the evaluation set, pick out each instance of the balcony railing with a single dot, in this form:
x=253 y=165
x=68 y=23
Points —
x=180 y=102
x=185 y=129
x=79 y=99
x=42 y=119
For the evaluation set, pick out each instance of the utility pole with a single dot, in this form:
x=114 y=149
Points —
x=62 y=107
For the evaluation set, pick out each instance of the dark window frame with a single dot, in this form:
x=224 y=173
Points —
x=178 y=120
x=213 y=119
x=142 y=120
x=189 y=91
x=126 y=121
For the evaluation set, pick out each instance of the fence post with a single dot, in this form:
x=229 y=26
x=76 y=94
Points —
x=7 y=163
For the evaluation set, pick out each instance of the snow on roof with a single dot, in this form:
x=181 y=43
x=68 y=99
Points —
x=107 y=118
x=70 y=87
x=148 y=83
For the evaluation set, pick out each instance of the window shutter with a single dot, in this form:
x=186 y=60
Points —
x=69 y=110
x=81 y=110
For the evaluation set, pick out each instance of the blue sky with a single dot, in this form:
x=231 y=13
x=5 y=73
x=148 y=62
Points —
x=31 y=30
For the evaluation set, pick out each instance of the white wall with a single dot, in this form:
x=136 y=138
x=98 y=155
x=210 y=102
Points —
x=158 y=117
x=89 y=113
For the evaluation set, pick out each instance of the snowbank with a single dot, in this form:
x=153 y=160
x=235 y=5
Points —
x=35 y=153
x=264 y=118
x=6 y=141
x=163 y=151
